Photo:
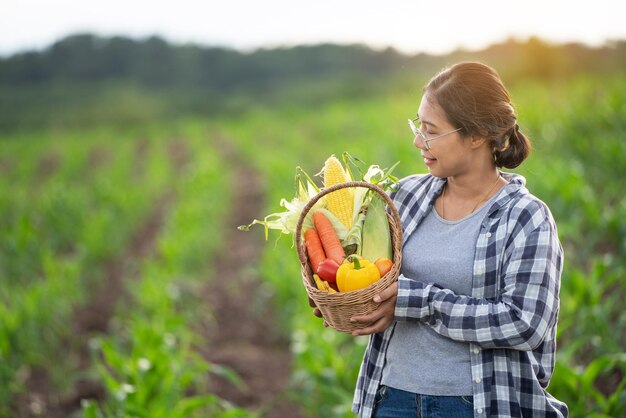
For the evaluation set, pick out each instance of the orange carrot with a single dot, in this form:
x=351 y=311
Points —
x=314 y=248
x=330 y=241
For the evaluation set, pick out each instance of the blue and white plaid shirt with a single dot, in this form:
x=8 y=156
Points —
x=510 y=318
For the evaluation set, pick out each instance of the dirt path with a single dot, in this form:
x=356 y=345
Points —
x=244 y=335
x=48 y=164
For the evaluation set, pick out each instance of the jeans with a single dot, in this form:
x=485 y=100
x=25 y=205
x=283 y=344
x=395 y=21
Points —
x=396 y=403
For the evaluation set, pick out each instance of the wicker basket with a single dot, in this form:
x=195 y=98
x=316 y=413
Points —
x=337 y=308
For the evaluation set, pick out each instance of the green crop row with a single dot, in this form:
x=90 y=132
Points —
x=150 y=365
x=71 y=206
x=64 y=216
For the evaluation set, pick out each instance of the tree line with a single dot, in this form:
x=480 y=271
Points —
x=155 y=63
x=83 y=69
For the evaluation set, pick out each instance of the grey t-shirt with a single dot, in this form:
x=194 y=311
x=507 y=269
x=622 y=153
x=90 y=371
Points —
x=418 y=359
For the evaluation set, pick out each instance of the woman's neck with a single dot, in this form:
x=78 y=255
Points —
x=461 y=196
x=471 y=185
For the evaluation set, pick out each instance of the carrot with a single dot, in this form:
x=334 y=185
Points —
x=314 y=248
x=330 y=241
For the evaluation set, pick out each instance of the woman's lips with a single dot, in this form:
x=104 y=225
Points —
x=429 y=161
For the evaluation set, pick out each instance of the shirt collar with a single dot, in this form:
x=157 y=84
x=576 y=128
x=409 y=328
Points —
x=414 y=207
x=516 y=184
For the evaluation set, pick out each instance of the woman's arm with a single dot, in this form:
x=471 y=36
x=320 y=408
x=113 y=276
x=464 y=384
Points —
x=525 y=312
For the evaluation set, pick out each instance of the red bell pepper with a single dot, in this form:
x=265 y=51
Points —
x=327 y=270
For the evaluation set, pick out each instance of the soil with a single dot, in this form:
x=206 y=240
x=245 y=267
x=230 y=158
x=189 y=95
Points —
x=48 y=164
x=243 y=334
x=98 y=157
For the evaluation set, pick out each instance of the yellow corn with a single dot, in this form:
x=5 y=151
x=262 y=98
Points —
x=318 y=282
x=323 y=285
x=339 y=202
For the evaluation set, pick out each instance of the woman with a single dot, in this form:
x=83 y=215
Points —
x=469 y=328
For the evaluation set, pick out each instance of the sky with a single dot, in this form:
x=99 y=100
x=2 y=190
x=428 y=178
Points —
x=436 y=27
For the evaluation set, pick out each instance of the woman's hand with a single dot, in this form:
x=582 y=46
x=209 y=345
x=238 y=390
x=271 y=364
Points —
x=380 y=319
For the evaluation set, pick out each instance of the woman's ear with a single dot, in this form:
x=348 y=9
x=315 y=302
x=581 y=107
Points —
x=477 y=141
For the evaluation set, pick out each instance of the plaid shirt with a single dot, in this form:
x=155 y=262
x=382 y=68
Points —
x=509 y=321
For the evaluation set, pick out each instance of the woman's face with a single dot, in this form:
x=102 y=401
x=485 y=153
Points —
x=448 y=154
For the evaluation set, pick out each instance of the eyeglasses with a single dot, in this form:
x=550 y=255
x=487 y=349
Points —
x=426 y=140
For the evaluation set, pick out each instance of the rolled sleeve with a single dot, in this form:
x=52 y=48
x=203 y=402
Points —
x=412 y=301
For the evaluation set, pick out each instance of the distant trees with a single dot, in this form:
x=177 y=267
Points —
x=83 y=69
x=153 y=62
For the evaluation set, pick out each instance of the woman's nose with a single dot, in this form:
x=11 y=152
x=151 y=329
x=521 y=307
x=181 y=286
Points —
x=417 y=141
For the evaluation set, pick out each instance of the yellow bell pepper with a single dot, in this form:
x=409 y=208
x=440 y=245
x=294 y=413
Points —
x=356 y=273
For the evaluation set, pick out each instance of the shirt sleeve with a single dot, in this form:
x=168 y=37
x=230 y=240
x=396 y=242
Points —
x=523 y=314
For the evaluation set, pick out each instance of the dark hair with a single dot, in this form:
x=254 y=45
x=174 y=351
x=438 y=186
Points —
x=475 y=100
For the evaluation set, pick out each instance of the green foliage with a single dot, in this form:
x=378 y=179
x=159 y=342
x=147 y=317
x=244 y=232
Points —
x=79 y=200
x=61 y=225
x=149 y=366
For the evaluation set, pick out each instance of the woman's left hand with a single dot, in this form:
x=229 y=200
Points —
x=380 y=319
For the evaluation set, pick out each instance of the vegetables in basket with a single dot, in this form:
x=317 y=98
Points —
x=342 y=222
x=349 y=232
x=323 y=285
x=328 y=237
x=356 y=273
x=314 y=248
x=286 y=221
x=327 y=270
x=376 y=238
x=340 y=202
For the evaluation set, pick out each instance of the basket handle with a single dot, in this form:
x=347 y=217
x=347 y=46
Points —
x=300 y=248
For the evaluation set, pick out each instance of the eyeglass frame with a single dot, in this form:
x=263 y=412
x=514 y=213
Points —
x=426 y=141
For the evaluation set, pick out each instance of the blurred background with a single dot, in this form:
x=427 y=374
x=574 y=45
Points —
x=136 y=137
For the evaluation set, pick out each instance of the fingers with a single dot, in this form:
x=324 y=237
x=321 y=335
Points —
x=387 y=293
x=368 y=318
x=376 y=321
x=379 y=326
x=380 y=319
x=386 y=308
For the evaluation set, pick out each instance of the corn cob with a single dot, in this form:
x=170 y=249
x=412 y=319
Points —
x=339 y=202
x=323 y=285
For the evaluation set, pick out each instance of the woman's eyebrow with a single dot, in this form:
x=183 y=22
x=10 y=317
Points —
x=425 y=122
